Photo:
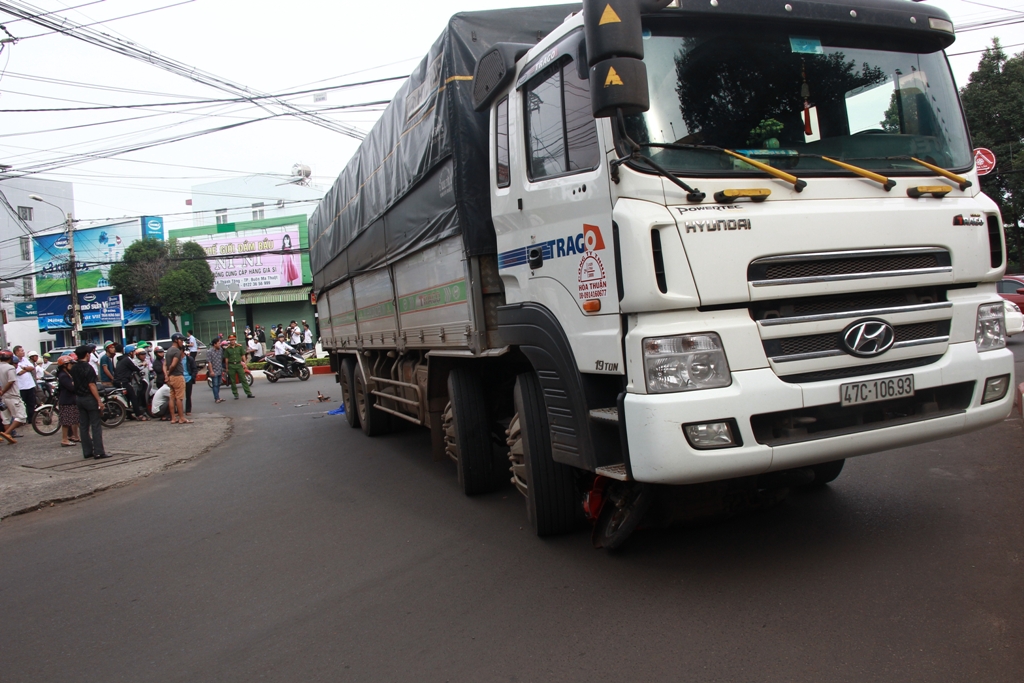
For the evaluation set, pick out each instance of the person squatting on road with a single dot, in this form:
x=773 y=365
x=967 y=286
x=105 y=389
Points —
x=67 y=401
x=215 y=369
x=162 y=403
x=13 y=408
x=234 y=358
x=174 y=373
x=90 y=405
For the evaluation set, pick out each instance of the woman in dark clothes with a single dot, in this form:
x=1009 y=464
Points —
x=158 y=365
x=68 y=407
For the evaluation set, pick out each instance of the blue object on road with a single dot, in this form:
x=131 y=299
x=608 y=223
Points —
x=339 y=411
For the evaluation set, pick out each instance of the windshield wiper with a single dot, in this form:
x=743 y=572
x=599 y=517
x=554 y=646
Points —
x=797 y=184
x=885 y=182
x=962 y=182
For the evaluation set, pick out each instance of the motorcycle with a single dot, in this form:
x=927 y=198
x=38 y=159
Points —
x=291 y=365
x=46 y=419
x=115 y=406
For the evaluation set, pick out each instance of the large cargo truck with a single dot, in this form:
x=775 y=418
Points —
x=606 y=250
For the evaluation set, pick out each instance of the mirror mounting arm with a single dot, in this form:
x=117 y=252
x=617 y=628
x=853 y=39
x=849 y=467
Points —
x=693 y=195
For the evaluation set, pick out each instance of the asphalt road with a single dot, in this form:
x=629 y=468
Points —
x=302 y=551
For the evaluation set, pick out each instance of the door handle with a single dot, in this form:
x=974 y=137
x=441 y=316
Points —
x=535 y=256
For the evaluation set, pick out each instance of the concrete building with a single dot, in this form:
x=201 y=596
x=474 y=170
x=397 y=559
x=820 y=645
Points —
x=21 y=217
x=254 y=198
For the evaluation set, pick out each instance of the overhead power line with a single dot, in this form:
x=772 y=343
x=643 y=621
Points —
x=226 y=100
x=105 y=21
x=89 y=35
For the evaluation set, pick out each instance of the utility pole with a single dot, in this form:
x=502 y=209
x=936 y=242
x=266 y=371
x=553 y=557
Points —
x=76 y=311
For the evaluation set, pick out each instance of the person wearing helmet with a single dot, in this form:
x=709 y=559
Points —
x=174 y=373
x=13 y=407
x=281 y=347
x=68 y=404
x=108 y=364
x=158 y=366
x=127 y=376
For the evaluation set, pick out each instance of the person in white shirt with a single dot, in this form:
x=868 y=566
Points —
x=254 y=348
x=94 y=361
x=307 y=336
x=281 y=348
x=40 y=366
x=161 y=402
x=192 y=344
x=26 y=380
x=296 y=336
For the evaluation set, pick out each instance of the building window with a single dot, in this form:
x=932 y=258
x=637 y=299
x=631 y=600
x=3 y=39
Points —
x=26 y=286
x=26 y=248
x=46 y=346
x=25 y=213
x=257 y=211
x=222 y=216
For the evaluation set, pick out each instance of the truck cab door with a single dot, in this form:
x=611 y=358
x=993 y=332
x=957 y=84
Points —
x=552 y=206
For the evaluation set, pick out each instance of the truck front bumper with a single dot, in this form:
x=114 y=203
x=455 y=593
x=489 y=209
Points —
x=659 y=452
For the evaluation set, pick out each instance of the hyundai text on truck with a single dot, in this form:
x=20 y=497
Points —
x=605 y=251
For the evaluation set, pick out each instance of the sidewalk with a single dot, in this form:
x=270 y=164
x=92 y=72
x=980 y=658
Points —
x=37 y=471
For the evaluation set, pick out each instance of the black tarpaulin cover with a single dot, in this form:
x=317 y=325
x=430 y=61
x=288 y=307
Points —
x=421 y=174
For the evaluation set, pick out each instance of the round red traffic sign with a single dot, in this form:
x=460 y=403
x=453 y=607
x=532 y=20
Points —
x=984 y=160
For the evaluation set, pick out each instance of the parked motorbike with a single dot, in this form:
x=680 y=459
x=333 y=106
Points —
x=115 y=406
x=46 y=419
x=291 y=365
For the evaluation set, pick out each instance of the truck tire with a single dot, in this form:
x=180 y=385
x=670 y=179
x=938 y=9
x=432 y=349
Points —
x=826 y=472
x=468 y=434
x=374 y=422
x=348 y=372
x=551 y=499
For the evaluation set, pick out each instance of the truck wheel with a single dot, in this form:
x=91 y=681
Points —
x=348 y=371
x=826 y=472
x=551 y=499
x=468 y=434
x=374 y=422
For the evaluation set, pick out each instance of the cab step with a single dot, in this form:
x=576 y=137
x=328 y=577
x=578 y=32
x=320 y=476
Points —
x=609 y=415
x=614 y=472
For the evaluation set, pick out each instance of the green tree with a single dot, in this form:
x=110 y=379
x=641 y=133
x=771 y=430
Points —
x=137 y=276
x=994 y=104
x=173 y=276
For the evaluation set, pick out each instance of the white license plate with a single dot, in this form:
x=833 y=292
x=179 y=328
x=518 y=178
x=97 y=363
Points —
x=876 y=390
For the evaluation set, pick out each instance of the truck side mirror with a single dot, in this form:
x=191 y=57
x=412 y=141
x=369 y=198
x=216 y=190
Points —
x=495 y=70
x=615 y=52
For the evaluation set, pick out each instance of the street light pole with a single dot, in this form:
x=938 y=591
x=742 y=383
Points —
x=76 y=310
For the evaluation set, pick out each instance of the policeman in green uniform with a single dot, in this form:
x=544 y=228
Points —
x=234 y=360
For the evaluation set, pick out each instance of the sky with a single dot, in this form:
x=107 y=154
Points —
x=270 y=47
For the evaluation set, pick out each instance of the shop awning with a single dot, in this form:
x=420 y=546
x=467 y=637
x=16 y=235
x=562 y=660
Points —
x=276 y=296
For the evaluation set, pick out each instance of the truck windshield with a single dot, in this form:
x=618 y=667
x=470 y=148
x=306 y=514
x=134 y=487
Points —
x=787 y=99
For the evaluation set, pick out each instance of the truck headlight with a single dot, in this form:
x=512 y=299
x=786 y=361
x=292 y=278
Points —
x=685 y=363
x=990 y=332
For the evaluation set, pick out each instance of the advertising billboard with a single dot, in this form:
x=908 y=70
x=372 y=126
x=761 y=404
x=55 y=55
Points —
x=95 y=250
x=153 y=227
x=99 y=309
x=260 y=258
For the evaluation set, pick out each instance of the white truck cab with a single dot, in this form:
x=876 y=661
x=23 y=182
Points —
x=768 y=252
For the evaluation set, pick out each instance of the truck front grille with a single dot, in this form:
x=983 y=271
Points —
x=823 y=345
x=813 y=267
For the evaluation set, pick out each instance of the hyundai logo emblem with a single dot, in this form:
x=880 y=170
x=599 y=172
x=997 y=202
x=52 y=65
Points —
x=868 y=338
